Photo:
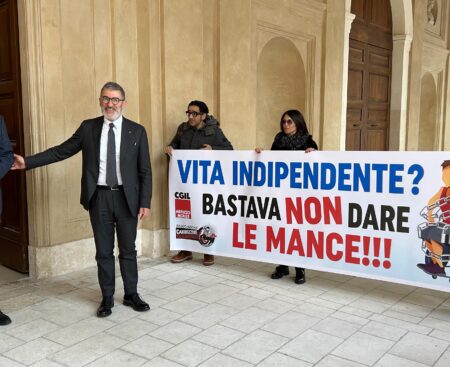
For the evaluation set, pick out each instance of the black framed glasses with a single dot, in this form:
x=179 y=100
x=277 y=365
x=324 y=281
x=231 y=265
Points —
x=193 y=113
x=287 y=122
x=114 y=100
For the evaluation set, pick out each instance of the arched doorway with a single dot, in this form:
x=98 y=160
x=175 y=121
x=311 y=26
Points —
x=369 y=76
x=281 y=86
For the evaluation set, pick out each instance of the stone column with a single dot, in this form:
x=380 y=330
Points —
x=349 y=17
x=31 y=58
x=336 y=75
x=415 y=76
x=399 y=91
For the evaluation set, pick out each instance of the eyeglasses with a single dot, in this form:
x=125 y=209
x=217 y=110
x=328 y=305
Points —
x=114 y=100
x=193 y=113
x=287 y=122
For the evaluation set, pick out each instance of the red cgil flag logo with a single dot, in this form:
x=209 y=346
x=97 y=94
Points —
x=182 y=205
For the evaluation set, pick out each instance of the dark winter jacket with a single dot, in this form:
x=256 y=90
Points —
x=192 y=138
x=294 y=142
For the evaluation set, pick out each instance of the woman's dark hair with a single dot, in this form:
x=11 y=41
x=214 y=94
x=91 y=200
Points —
x=201 y=105
x=298 y=119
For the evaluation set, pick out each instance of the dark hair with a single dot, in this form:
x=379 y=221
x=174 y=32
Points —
x=201 y=105
x=445 y=164
x=298 y=119
x=114 y=86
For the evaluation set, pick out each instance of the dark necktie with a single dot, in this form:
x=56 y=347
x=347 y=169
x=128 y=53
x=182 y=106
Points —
x=111 y=174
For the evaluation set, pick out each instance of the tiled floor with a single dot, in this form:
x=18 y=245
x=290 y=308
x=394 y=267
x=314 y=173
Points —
x=8 y=275
x=229 y=314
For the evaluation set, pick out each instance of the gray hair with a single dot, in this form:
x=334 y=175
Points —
x=113 y=86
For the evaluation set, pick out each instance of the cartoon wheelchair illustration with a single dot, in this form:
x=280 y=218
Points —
x=435 y=235
x=206 y=236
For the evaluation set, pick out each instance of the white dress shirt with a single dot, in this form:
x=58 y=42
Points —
x=103 y=147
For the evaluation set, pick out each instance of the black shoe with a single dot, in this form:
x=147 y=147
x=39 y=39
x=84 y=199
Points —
x=105 y=307
x=299 y=276
x=280 y=271
x=4 y=319
x=133 y=300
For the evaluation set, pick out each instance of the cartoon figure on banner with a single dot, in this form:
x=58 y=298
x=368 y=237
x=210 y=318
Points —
x=435 y=233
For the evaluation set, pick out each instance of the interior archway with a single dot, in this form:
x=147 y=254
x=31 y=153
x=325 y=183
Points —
x=280 y=87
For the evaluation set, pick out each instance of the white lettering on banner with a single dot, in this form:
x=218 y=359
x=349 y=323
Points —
x=380 y=215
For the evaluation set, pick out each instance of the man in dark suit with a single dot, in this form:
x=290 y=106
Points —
x=6 y=160
x=116 y=188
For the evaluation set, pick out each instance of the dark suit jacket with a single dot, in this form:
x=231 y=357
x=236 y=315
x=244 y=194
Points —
x=6 y=155
x=135 y=165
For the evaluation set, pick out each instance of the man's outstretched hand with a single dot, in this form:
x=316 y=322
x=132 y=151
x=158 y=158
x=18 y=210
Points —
x=19 y=162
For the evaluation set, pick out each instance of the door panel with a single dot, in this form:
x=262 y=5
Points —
x=375 y=138
x=13 y=221
x=369 y=76
x=378 y=88
x=353 y=139
x=355 y=85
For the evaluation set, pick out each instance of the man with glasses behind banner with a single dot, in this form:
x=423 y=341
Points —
x=116 y=189
x=201 y=131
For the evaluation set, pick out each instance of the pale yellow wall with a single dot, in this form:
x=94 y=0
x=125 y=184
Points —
x=237 y=72
x=168 y=52
x=428 y=123
x=435 y=65
x=69 y=50
x=183 y=42
x=429 y=55
x=79 y=54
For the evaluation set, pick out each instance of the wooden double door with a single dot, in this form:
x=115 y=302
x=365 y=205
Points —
x=369 y=76
x=13 y=221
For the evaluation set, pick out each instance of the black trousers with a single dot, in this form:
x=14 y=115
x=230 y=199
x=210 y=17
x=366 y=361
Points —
x=287 y=267
x=109 y=213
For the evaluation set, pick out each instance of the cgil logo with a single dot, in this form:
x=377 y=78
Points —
x=182 y=205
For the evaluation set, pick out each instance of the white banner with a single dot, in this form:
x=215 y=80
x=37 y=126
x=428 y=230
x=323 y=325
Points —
x=380 y=215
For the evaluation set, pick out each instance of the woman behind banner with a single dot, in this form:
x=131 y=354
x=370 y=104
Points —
x=294 y=135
